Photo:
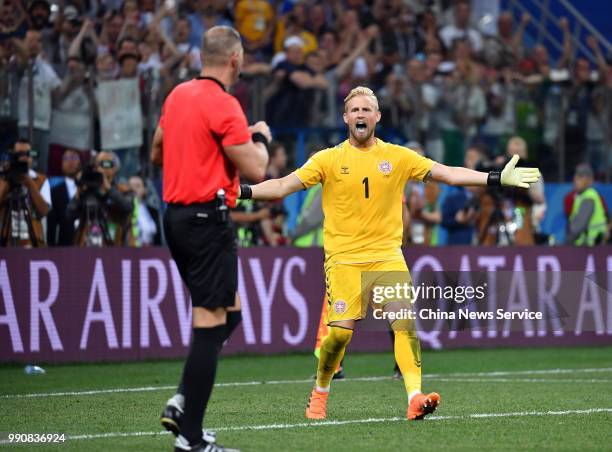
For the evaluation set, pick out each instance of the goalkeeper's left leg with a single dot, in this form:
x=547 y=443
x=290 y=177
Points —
x=408 y=357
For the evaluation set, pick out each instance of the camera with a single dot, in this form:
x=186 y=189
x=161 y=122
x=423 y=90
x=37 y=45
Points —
x=15 y=169
x=472 y=203
x=91 y=180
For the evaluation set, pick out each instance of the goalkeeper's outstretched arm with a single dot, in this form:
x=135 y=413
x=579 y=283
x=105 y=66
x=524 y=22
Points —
x=272 y=188
x=510 y=176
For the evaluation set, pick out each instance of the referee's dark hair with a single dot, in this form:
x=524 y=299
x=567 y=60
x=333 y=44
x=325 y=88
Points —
x=218 y=44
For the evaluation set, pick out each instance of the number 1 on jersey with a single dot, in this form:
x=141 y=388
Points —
x=367 y=187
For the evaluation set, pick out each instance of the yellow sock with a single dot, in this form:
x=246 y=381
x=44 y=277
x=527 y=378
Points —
x=408 y=357
x=331 y=353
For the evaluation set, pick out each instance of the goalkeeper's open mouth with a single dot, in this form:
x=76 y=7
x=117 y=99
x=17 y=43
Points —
x=361 y=127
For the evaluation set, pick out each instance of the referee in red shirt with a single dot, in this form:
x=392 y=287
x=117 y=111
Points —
x=203 y=141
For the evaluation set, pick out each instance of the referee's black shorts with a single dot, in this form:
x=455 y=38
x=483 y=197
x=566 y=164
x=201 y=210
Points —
x=205 y=253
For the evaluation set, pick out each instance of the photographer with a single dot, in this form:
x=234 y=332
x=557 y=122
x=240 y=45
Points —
x=100 y=206
x=60 y=230
x=461 y=206
x=25 y=199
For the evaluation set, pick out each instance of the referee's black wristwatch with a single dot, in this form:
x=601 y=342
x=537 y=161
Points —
x=259 y=137
x=245 y=191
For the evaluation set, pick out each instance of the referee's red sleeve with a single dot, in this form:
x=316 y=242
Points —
x=230 y=123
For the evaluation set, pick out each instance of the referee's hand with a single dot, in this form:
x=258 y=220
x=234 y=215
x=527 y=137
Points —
x=262 y=128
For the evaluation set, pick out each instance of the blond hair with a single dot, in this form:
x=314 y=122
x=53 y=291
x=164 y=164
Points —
x=361 y=91
x=218 y=44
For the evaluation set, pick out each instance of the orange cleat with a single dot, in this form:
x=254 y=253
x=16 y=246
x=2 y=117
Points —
x=421 y=405
x=317 y=405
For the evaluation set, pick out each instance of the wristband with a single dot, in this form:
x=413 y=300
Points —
x=259 y=137
x=494 y=179
x=245 y=191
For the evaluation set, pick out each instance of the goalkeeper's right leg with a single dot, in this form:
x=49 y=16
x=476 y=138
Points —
x=332 y=352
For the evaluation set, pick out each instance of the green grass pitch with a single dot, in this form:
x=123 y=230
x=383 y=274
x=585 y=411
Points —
x=503 y=399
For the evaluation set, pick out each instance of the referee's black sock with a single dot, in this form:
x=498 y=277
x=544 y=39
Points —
x=199 y=377
x=233 y=320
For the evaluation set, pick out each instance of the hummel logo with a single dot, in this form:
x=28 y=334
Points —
x=417 y=363
x=344 y=170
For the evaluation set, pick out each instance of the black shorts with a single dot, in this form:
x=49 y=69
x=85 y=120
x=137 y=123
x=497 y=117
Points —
x=205 y=253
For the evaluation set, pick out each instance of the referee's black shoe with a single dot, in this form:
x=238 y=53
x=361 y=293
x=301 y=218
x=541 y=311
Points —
x=171 y=417
x=171 y=421
x=182 y=445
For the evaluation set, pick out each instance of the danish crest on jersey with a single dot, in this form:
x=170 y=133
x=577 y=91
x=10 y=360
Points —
x=385 y=167
x=340 y=306
x=344 y=169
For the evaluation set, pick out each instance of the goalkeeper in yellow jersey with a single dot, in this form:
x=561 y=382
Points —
x=363 y=179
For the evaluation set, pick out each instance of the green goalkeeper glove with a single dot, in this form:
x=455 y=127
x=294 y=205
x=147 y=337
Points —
x=518 y=177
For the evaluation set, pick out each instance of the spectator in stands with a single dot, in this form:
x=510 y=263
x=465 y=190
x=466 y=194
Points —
x=112 y=25
x=35 y=98
x=25 y=200
x=588 y=223
x=294 y=24
x=273 y=228
x=191 y=53
x=129 y=58
x=144 y=222
x=318 y=23
x=506 y=47
x=501 y=94
x=361 y=8
x=461 y=205
x=416 y=92
x=248 y=215
x=72 y=115
x=56 y=44
x=349 y=30
x=464 y=104
x=205 y=16
x=461 y=28
x=292 y=85
x=577 y=113
x=13 y=20
x=339 y=66
x=526 y=207
x=309 y=229
x=402 y=34
x=39 y=12
x=158 y=52
x=9 y=82
x=394 y=103
x=60 y=230
x=255 y=23
x=423 y=206
x=599 y=121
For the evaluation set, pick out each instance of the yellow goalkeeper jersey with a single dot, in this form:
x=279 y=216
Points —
x=362 y=198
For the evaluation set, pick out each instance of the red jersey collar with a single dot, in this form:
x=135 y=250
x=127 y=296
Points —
x=218 y=82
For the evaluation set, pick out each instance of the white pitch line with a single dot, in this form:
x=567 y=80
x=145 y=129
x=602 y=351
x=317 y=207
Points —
x=520 y=380
x=437 y=377
x=347 y=422
x=523 y=372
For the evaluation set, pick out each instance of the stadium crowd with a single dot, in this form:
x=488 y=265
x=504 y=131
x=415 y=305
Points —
x=84 y=75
